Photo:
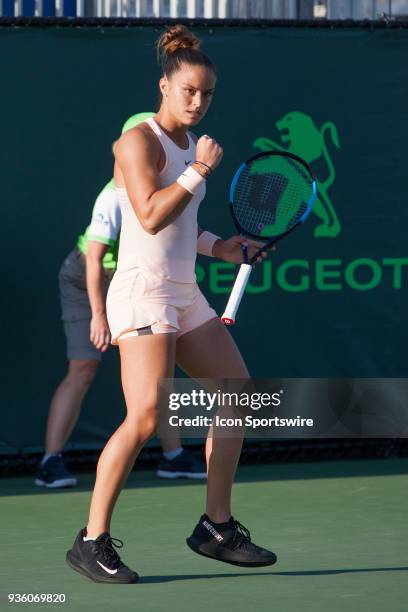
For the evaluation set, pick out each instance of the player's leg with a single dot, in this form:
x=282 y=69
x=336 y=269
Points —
x=210 y=352
x=145 y=360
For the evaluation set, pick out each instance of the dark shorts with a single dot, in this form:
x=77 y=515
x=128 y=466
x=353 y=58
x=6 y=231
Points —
x=75 y=307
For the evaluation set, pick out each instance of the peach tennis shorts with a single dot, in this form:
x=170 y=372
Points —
x=140 y=303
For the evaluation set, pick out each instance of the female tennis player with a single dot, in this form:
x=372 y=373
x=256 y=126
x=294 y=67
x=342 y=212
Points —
x=157 y=314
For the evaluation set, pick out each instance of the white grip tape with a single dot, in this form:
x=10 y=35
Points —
x=236 y=294
x=205 y=243
x=190 y=180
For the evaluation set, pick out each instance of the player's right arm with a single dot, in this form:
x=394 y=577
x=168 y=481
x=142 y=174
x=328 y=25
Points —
x=137 y=154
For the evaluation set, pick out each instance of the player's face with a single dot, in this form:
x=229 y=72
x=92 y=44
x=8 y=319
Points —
x=189 y=93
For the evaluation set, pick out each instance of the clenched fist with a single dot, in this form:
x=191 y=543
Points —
x=208 y=151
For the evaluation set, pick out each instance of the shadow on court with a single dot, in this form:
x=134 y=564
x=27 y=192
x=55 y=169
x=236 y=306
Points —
x=160 y=579
x=343 y=571
x=246 y=473
x=176 y=578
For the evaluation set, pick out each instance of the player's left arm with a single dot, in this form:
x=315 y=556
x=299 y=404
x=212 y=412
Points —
x=229 y=250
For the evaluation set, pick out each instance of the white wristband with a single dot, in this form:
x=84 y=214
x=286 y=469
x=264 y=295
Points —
x=190 y=180
x=205 y=243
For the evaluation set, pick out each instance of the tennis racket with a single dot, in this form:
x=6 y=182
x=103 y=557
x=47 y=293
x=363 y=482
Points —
x=271 y=194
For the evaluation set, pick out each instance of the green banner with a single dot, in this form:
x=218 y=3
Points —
x=331 y=302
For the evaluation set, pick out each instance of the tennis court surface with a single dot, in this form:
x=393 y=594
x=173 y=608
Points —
x=338 y=528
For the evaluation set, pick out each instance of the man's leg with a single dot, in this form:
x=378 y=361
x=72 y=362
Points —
x=62 y=417
x=67 y=401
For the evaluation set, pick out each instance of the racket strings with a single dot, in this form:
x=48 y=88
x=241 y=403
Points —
x=271 y=196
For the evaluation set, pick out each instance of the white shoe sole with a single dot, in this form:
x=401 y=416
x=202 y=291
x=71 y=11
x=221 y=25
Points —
x=172 y=475
x=57 y=484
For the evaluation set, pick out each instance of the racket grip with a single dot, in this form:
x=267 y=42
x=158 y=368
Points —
x=236 y=294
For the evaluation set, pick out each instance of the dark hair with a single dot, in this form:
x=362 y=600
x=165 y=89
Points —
x=177 y=46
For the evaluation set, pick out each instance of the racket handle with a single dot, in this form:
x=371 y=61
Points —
x=236 y=294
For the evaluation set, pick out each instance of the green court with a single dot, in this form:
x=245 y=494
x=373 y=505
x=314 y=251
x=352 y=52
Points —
x=338 y=528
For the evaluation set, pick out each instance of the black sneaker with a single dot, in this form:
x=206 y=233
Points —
x=53 y=474
x=229 y=542
x=99 y=561
x=185 y=465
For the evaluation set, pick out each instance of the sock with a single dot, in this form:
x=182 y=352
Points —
x=219 y=525
x=169 y=455
x=87 y=538
x=47 y=456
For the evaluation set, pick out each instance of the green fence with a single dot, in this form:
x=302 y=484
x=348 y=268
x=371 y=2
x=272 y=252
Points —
x=331 y=302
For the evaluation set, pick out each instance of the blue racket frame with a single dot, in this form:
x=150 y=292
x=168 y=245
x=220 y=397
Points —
x=269 y=243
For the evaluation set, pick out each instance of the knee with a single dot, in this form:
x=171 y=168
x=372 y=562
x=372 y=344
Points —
x=143 y=427
x=82 y=373
x=148 y=429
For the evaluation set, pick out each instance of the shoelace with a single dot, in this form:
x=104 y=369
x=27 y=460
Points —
x=241 y=535
x=105 y=547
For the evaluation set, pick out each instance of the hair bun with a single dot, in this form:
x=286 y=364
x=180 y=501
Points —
x=175 y=38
